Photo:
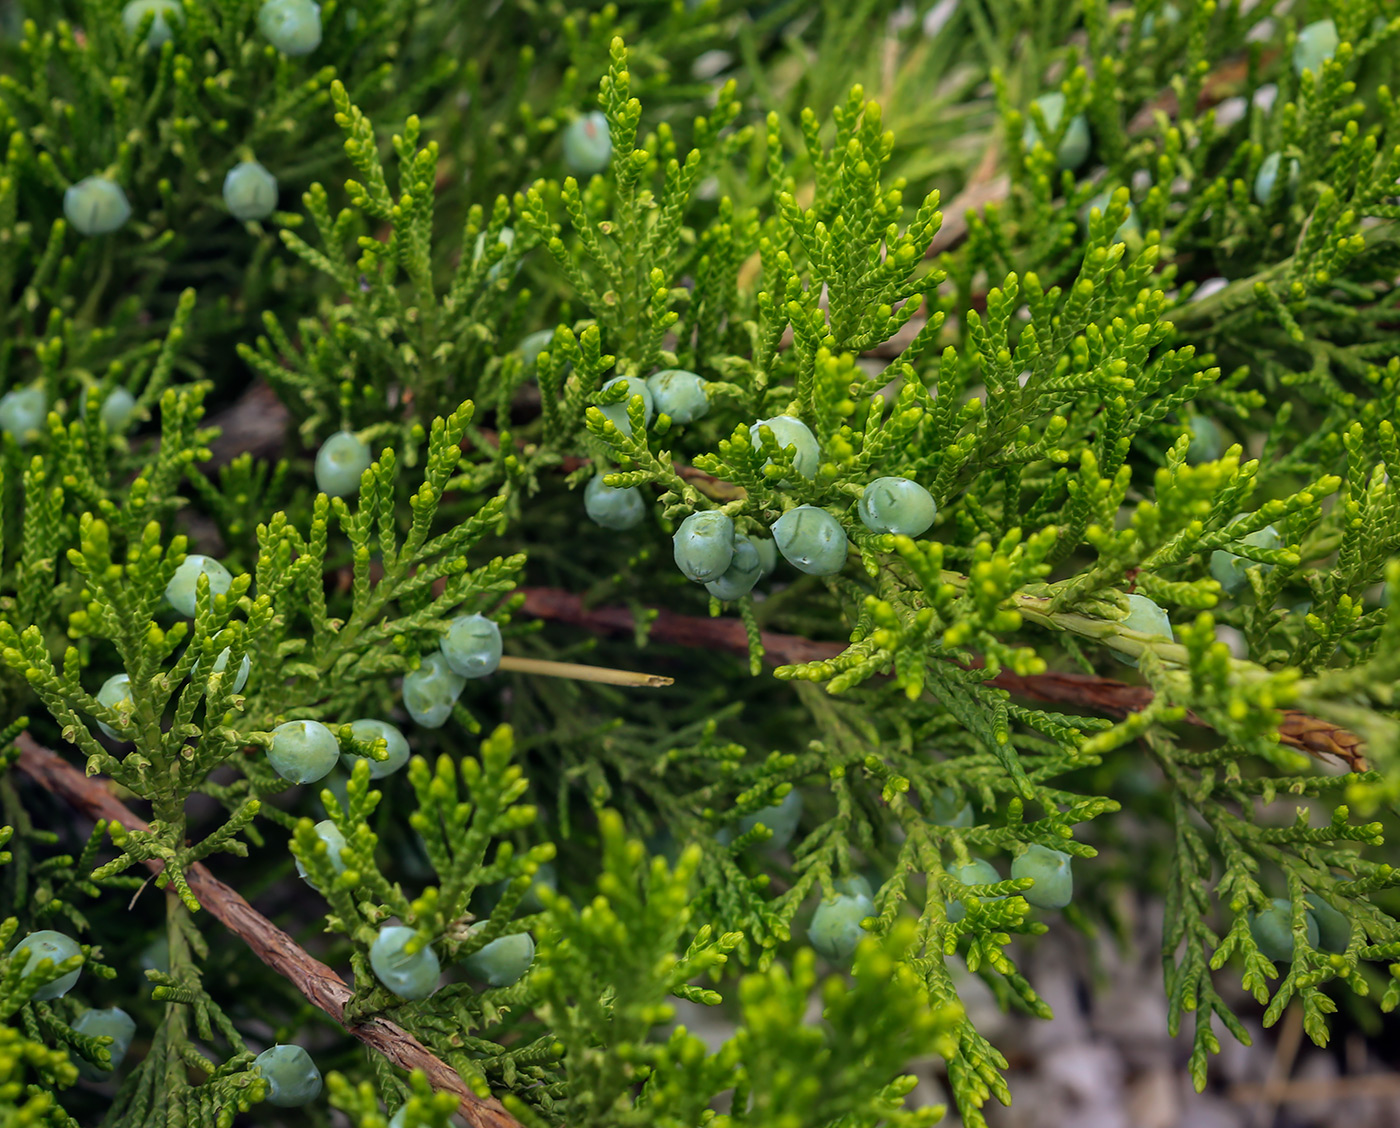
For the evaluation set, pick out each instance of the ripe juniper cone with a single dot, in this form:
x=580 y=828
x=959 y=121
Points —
x=430 y=691
x=1316 y=44
x=303 y=751
x=250 y=191
x=1232 y=571
x=183 y=587
x=338 y=784
x=504 y=960
x=767 y=550
x=1054 y=881
x=116 y=411
x=115 y=694
x=340 y=462
x=165 y=13
x=1273 y=931
x=1207 y=440
x=55 y=947
x=811 y=540
x=617 y=412
x=703 y=546
x=155 y=956
x=1074 y=146
x=976 y=872
x=790 y=432
x=96 y=206
x=221 y=664
x=950 y=809
x=506 y=236
x=292 y=26
x=781 y=819
x=292 y=1077
x=1333 y=929
x=587 y=144
x=897 y=505
x=368 y=730
x=1128 y=227
x=472 y=646
x=743 y=572
x=533 y=345
x=409 y=974
x=854 y=885
x=330 y=834
x=22 y=414
x=113 y=1023
x=611 y=508
x=835 y=929
x=679 y=394
x=1144 y=617
x=1171 y=16
x=1267 y=177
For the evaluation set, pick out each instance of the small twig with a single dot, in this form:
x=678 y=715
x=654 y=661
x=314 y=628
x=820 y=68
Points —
x=321 y=986
x=139 y=890
x=577 y=672
x=1089 y=692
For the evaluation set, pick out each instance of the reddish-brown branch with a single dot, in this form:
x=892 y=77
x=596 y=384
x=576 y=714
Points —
x=320 y=984
x=1087 y=692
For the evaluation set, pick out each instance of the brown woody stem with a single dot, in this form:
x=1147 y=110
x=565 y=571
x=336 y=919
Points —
x=321 y=986
x=1089 y=692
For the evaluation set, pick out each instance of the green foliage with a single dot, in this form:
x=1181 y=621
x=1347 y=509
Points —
x=448 y=295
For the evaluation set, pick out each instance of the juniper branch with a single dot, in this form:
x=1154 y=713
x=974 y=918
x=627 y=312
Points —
x=1314 y=735
x=319 y=984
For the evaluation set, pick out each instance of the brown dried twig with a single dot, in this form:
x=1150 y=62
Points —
x=321 y=986
x=1088 y=692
